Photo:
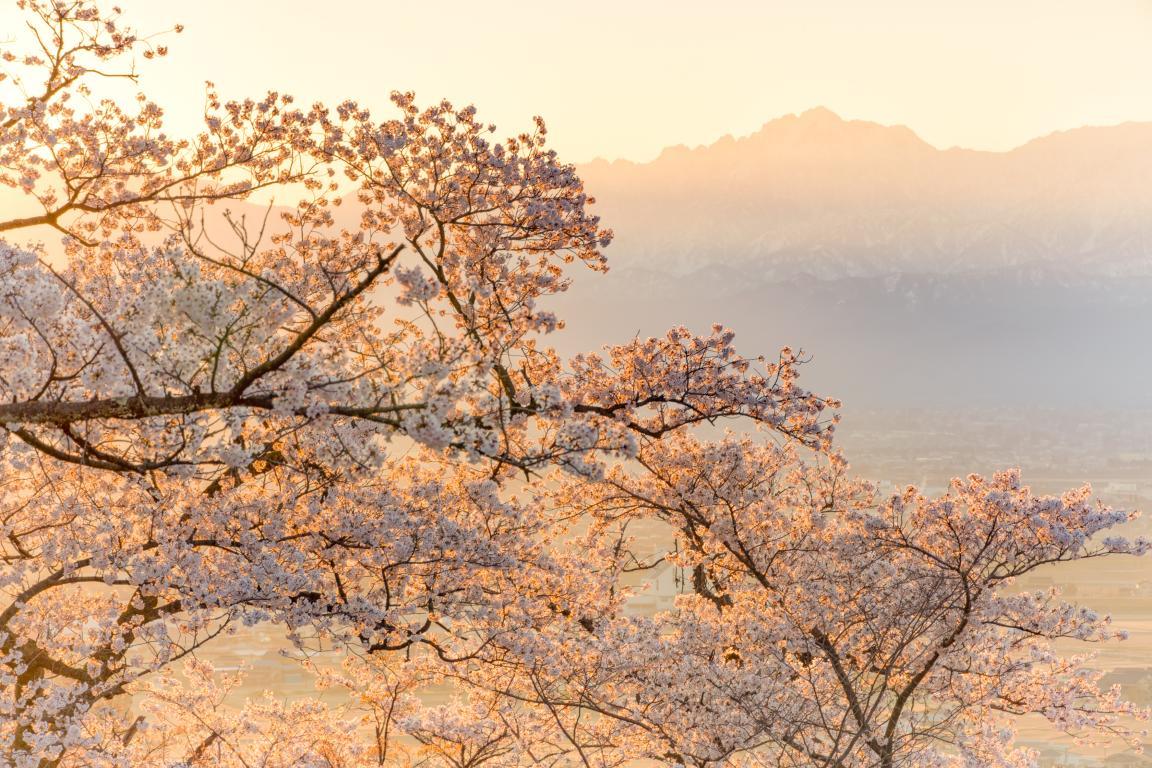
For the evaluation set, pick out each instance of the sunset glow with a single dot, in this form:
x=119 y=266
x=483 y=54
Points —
x=625 y=80
x=583 y=386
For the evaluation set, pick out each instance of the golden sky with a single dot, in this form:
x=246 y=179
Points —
x=625 y=78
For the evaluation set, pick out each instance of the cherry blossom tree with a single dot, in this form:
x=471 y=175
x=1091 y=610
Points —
x=340 y=417
x=827 y=627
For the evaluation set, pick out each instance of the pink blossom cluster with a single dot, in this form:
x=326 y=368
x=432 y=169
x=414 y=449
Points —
x=339 y=419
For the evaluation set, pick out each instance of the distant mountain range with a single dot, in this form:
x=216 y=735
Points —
x=813 y=194
x=912 y=275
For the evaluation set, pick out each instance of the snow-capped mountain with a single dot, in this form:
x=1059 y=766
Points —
x=910 y=274
x=817 y=195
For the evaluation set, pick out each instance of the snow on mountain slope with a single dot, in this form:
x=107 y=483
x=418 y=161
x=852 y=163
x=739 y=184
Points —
x=910 y=274
x=814 y=194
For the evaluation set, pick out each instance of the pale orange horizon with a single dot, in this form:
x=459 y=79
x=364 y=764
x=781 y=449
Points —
x=626 y=80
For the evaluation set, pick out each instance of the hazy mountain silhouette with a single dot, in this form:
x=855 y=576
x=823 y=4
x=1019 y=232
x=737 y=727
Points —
x=815 y=194
x=911 y=274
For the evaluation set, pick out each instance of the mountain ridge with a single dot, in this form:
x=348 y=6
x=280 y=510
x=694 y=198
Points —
x=823 y=112
x=912 y=275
